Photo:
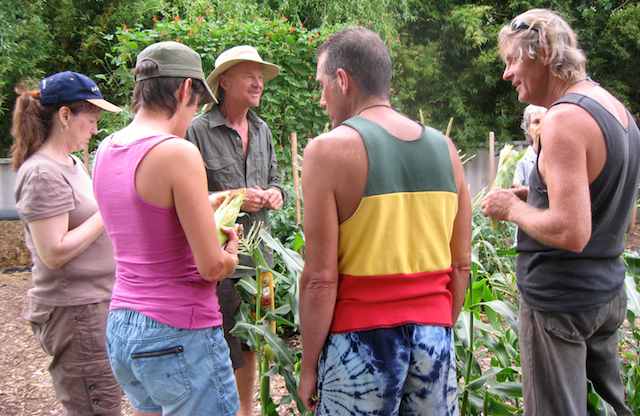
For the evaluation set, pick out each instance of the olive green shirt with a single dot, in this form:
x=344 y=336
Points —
x=226 y=166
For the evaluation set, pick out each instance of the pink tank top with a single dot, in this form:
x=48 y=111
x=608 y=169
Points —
x=156 y=273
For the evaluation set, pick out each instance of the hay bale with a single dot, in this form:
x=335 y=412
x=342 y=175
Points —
x=13 y=250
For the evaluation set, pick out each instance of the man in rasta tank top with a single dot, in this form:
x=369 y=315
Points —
x=571 y=228
x=388 y=231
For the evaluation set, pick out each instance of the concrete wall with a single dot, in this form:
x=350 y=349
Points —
x=476 y=171
x=7 y=190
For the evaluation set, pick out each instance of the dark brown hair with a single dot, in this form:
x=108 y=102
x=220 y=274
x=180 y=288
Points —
x=159 y=94
x=361 y=53
x=32 y=123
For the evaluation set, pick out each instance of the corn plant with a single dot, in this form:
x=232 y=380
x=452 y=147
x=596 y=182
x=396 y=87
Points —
x=487 y=331
x=486 y=334
x=257 y=324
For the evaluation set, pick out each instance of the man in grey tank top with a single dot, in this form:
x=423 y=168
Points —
x=572 y=225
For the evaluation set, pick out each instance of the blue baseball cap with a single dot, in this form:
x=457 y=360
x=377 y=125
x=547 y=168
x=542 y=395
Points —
x=69 y=87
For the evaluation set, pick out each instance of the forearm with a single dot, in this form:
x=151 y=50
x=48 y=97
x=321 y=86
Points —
x=57 y=253
x=458 y=288
x=549 y=228
x=317 y=303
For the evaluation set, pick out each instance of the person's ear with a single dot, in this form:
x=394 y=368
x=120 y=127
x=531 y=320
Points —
x=344 y=80
x=223 y=82
x=184 y=92
x=64 y=115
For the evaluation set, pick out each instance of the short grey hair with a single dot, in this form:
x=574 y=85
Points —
x=529 y=111
x=526 y=117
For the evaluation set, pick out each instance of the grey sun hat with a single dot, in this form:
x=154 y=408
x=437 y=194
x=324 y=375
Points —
x=174 y=60
x=234 y=56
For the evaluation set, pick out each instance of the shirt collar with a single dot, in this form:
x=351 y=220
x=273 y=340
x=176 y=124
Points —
x=217 y=119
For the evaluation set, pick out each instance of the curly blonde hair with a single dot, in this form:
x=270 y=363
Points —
x=543 y=33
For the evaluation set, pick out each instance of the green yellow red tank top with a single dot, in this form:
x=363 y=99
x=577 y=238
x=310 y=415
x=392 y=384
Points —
x=394 y=258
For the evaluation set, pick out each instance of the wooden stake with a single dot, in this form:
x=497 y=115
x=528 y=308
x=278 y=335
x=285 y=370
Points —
x=294 y=169
x=449 y=127
x=492 y=159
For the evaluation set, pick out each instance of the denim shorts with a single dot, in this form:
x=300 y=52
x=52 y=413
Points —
x=169 y=370
x=406 y=370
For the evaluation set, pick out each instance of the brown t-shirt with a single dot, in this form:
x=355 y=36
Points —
x=44 y=189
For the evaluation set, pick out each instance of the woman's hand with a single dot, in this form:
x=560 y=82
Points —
x=216 y=198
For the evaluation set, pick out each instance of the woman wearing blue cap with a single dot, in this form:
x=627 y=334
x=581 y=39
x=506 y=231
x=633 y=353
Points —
x=73 y=266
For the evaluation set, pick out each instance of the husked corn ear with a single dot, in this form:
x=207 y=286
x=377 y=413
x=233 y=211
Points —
x=507 y=162
x=227 y=213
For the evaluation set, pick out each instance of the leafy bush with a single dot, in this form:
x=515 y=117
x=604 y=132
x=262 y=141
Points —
x=289 y=101
x=25 y=47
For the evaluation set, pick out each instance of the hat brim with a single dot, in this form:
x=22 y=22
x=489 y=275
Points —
x=270 y=71
x=212 y=96
x=105 y=105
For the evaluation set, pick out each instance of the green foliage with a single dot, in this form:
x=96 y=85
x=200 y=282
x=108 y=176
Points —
x=486 y=332
x=448 y=64
x=275 y=356
x=25 y=48
x=383 y=16
x=290 y=100
x=445 y=56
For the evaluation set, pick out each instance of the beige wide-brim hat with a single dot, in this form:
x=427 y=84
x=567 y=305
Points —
x=234 y=56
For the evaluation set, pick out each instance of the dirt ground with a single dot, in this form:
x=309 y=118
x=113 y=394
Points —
x=25 y=385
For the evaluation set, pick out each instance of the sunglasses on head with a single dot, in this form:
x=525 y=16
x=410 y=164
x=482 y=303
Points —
x=518 y=25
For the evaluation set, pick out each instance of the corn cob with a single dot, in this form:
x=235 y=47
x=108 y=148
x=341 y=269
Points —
x=227 y=213
x=507 y=162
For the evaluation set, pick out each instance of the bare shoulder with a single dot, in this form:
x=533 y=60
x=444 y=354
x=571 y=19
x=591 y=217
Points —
x=176 y=150
x=332 y=144
x=567 y=123
x=567 y=135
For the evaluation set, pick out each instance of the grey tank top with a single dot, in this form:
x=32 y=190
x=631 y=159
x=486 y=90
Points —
x=558 y=280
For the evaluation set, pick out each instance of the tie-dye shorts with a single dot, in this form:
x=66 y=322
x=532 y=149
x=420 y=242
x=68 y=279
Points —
x=406 y=370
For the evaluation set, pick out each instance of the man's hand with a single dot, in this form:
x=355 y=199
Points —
x=521 y=192
x=254 y=199
x=307 y=389
x=274 y=198
x=497 y=204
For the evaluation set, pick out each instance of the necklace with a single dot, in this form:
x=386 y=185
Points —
x=587 y=78
x=373 y=106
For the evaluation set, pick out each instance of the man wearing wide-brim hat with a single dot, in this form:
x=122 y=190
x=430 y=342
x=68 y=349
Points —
x=238 y=153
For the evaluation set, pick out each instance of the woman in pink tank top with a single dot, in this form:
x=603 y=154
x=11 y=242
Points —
x=164 y=339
